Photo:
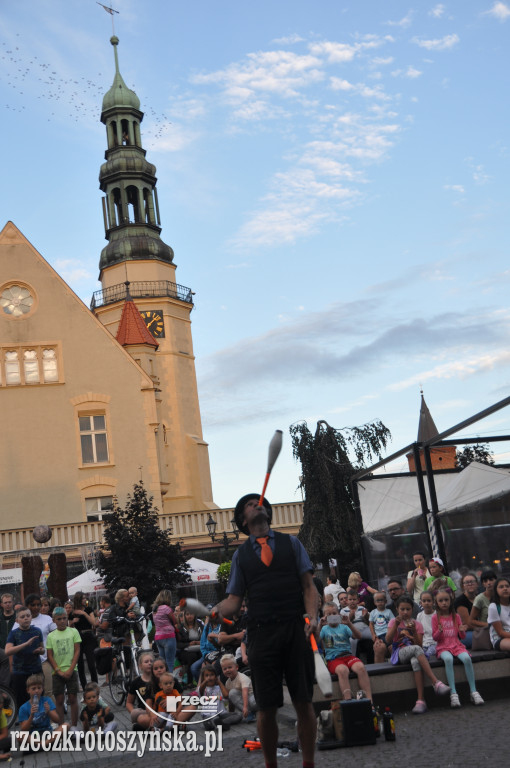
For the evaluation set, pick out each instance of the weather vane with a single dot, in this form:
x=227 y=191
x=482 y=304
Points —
x=111 y=11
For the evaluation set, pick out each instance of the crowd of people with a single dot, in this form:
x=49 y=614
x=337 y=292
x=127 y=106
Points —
x=433 y=617
x=49 y=650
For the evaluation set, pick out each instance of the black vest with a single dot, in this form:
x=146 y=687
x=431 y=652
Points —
x=274 y=592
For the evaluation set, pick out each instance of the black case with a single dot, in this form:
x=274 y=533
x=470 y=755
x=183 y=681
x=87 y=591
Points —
x=358 y=722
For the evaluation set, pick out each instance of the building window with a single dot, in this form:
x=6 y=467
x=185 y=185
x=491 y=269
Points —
x=99 y=508
x=21 y=365
x=12 y=371
x=16 y=300
x=94 y=442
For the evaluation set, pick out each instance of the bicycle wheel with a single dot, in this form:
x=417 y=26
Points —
x=9 y=706
x=118 y=685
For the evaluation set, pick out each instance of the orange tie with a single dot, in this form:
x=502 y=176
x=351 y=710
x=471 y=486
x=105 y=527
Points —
x=266 y=555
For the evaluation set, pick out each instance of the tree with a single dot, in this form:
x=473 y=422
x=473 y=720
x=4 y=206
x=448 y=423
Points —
x=480 y=452
x=137 y=552
x=331 y=528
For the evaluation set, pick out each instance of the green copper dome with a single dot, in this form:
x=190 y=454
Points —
x=139 y=243
x=119 y=94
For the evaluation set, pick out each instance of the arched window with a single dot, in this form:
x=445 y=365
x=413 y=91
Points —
x=125 y=132
x=115 y=135
x=31 y=366
x=117 y=201
x=12 y=371
x=148 y=204
x=49 y=364
x=133 y=201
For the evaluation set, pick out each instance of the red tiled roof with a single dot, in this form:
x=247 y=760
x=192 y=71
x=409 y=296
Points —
x=132 y=329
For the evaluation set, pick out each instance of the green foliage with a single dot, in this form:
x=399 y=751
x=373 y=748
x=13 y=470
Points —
x=331 y=527
x=479 y=452
x=224 y=572
x=136 y=552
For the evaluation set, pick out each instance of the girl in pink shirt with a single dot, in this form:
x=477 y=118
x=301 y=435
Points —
x=164 y=622
x=447 y=631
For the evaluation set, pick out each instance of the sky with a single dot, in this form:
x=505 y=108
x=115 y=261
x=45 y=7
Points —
x=333 y=178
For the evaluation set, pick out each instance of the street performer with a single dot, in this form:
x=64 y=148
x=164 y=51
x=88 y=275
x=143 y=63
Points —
x=275 y=572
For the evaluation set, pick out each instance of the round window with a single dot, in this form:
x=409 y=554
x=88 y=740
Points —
x=16 y=300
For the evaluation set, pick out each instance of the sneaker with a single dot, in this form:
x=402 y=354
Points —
x=441 y=689
x=419 y=708
x=454 y=701
x=476 y=698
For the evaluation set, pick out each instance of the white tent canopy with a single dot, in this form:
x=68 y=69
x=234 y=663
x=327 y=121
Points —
x=202 y=570
x=387 y=501
x=87 y=582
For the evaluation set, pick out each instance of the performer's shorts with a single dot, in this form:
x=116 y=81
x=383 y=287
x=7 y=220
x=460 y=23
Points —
x=277 y=650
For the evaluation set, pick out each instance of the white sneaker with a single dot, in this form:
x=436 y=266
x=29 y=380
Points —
x=476 y=698
x=454 y=701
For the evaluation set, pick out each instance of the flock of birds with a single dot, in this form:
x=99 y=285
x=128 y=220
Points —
x=67 y=98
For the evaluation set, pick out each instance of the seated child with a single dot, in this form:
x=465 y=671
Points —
x=141 y=686
x=39 y=712
x=239 y=688
x=425 y=619
x=167 y=718
x=96 y=712
x=379 y=619
x=406 y=636
x=336 y=636
x=359 y=618
x=215 y=713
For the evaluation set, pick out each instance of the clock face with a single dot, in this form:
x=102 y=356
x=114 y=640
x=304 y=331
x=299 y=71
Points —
x=153 y=319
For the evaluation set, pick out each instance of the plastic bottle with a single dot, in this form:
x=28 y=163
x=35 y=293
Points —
x=377 y=727
x=36 y=699
x=282 y=752
x=388 y=725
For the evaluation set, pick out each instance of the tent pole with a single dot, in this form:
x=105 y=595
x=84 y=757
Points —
x=421 y=491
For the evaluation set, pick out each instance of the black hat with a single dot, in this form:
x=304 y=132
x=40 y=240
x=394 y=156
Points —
x=239 y=511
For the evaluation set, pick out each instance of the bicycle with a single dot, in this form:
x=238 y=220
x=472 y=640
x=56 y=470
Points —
x=121 y=675
x=8 y=704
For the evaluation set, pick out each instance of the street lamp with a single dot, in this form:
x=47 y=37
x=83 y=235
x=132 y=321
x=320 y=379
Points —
x=211 y=526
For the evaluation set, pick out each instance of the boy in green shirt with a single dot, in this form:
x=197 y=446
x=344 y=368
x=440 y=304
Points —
x=63 y=646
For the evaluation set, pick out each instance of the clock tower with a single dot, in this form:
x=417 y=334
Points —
x=137 y=269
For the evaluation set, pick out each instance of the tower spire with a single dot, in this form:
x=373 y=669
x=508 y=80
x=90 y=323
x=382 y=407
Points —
x=130 y=205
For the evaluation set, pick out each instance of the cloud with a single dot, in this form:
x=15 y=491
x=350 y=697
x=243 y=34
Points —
x=437 y=11
x=458 y=368
x=344 y=341
x=480 y=176
x=288 y=40
x=381 y=61
x=404 y=22
x=441 y=44
x=320 y=185
x=500 y=11
x=70 y=270
x=323 y=170
x=340 y=85
x=267 y=72
x=455 y=188
x=412 y=72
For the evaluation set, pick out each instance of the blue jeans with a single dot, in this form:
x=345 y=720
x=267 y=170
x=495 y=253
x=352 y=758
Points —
x=167 y=647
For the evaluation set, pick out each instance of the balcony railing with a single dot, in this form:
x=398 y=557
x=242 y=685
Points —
x=142 y=289
x=189 y=528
